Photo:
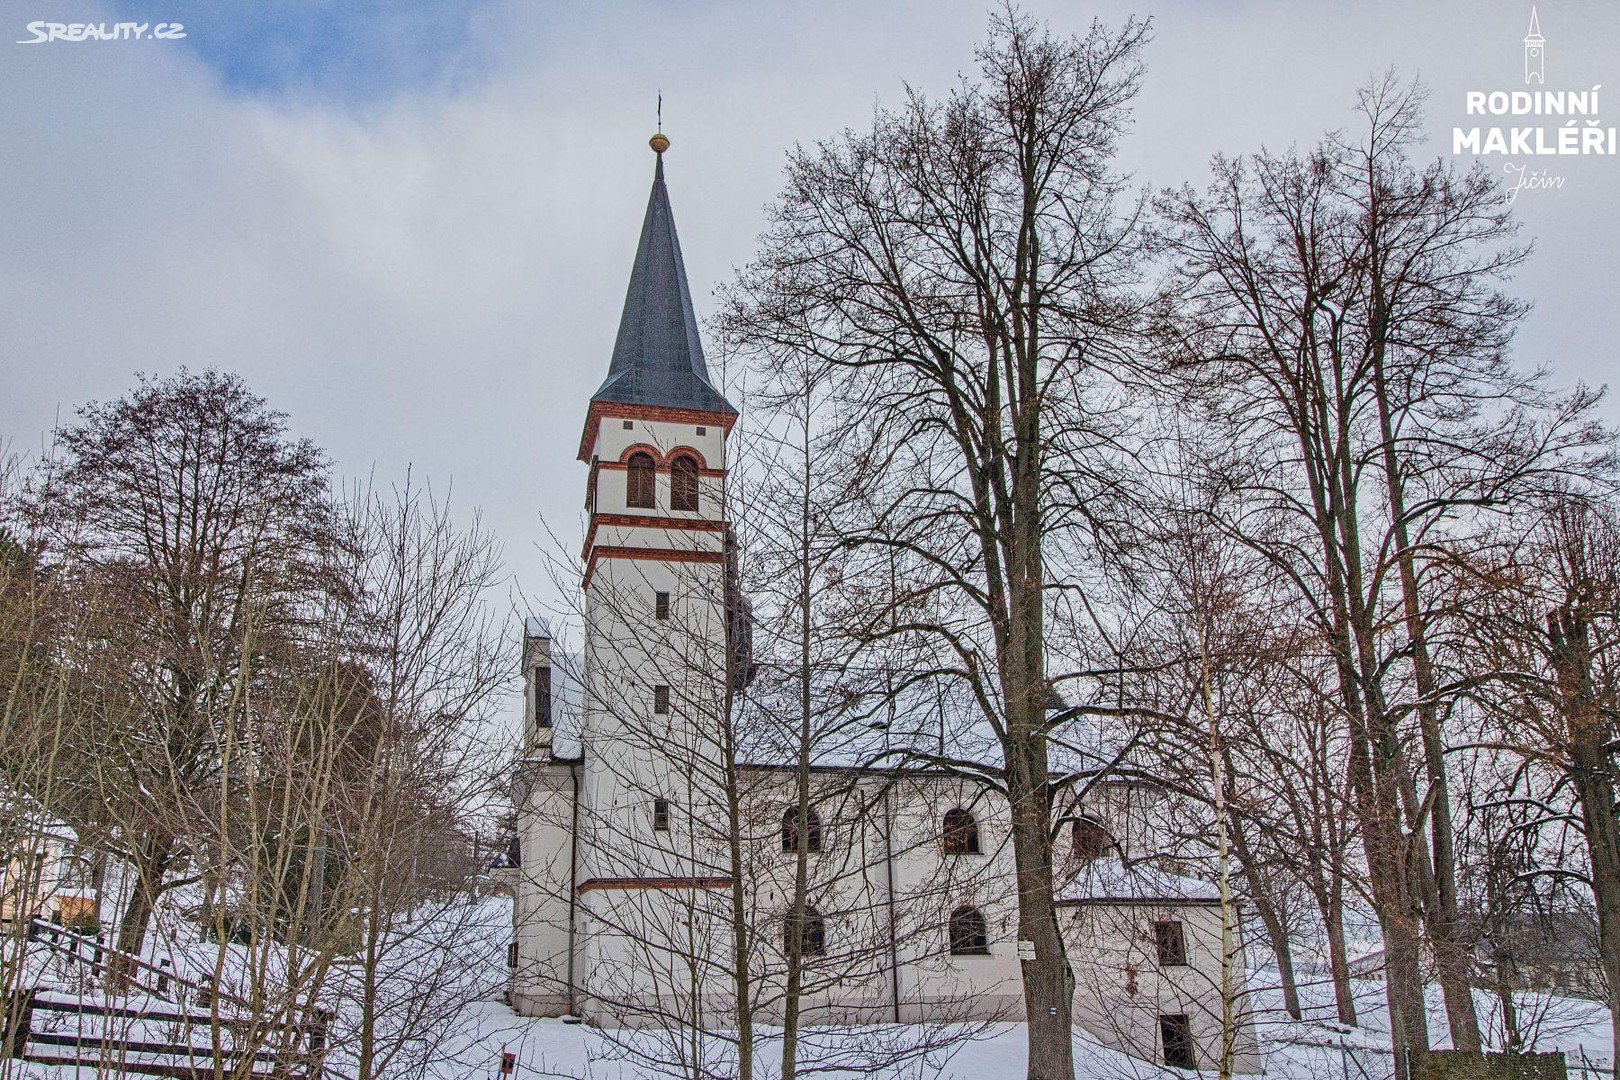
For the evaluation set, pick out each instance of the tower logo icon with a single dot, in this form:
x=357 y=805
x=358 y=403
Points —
x=1535 y=53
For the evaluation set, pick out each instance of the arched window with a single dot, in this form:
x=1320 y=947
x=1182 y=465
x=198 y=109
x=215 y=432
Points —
x=641 y=481
x=683 y=483
x=969 y=936
x=1090 y=839
x=961 y=833
x=790 y=829
x=812 y=933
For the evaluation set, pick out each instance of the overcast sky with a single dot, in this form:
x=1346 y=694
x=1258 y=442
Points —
x=410 y=224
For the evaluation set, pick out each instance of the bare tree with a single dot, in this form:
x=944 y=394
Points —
x=1543 y=617
x=264 y=697
x=414 y=793
x=1344 y=324
x=959 y=266
x=824 y=732
x=194 y=526
x=789 y=917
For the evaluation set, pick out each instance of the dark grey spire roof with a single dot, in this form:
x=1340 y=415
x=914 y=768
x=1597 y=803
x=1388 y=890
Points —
x=658 y=358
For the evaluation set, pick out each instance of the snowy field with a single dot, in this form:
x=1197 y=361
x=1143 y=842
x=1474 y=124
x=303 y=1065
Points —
x=467 y=1043
x=1309 y=1050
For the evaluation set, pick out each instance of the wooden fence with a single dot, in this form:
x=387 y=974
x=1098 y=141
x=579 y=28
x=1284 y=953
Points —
x=193 y=1030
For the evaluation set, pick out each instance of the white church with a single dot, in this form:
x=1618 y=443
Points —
x=658 y=831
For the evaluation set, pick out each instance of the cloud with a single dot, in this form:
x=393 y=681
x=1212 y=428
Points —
x=413 y=232
x=353 y=51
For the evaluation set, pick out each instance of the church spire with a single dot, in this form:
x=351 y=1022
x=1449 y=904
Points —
x=658 y=356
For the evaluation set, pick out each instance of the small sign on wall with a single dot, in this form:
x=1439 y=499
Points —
x=1026 y=949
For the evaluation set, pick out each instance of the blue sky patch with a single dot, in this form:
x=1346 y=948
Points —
x=356 y=51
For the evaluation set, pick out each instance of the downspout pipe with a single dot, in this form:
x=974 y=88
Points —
x=573 y=890
x=888 y=868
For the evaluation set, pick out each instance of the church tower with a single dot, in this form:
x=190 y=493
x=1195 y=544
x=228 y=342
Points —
x=657 y=649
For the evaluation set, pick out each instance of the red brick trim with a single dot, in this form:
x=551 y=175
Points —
x=1137 y=901
x=623 y=466
x=660 y=458
x=693 y=453
x=605 y=884
x=602 y=410
x=650 y=554
x=642 y=448
x=698 y=524
x=636 y=521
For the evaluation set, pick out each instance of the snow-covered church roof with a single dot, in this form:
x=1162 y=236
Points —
x=861 y=718
x=884 y=719
x=1113 y=880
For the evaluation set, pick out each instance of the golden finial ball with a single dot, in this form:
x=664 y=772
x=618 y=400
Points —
x=659 y=143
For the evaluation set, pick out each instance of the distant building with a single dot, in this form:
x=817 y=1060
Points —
x=1551 y=951
x=44 y=874
x=623 y=883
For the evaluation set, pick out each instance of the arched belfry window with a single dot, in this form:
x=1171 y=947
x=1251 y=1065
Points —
x=790 y=830
x=683 y=483
x=641 y=481
x=812 y=931
x=969 y=934
x=1091 y=840
x=961 y=832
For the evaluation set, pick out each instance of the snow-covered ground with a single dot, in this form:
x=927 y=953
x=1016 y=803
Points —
x=1316 y=1048
x=468 y=1042
x=1308 y=1050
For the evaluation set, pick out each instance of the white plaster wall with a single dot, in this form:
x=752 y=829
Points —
x=542 y=894
x=645 y=949
x=1122 y=990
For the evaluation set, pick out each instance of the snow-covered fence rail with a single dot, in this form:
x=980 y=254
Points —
x=154 y=1021
x=42 y=1026
x=155 y=979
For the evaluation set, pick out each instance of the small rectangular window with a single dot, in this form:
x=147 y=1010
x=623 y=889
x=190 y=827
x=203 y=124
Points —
x=703 y=431
x=1175 y=1031
x=660 y=815
x=661 y=605
x=511 y=954
x=661 y=699
x=542 y=697
x=629 y=425
x=1170 y=943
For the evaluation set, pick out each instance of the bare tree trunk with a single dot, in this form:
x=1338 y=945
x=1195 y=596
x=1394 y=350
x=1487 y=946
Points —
x=740 y=930
x=1437 y=879
x=1595 y=788
x=1277 y=934
x=1513 y=1037
x=151 y=867
x=1388 y=785
x=1048 y=978
x=1374 y=774
x=1223 y=843
x=801 y=779
x=1570 y=653
x=1338 y=954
